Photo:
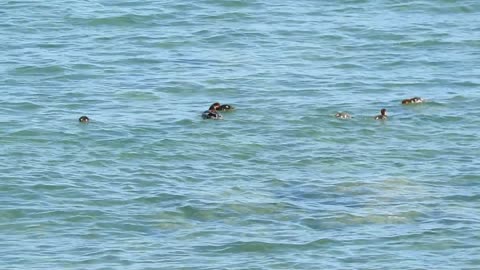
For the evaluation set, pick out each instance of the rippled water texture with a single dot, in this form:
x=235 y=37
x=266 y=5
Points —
x=279 y=183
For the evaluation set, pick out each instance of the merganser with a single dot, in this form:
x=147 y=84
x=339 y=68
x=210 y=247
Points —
x=84 y=119
x=382 y=116
x=413 y=100
x=343 y=115
x=212 y=113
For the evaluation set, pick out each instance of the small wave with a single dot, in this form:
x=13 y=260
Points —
x=158 y=198
x=394 y=218
x=22 y=106
x=128 y=20
x=260 y=246
x=230 y=16
x=38 y=70
x=138 y=95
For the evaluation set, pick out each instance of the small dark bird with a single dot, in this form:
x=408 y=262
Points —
x=413 y=100
x=382 y=116
x=84 y=119
x=212 y=112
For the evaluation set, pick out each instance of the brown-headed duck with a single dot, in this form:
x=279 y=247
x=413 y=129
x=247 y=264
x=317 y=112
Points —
x=343 y=115
x=225 y=107
x=212 y=112
x=83 y=119
x=382 y=115
x=413 y=100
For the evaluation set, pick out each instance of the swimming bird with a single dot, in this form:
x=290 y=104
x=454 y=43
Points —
x=382 y=115
x=212 y=113
x=413 y=100
x=84 y=119
x=343 y=115
x=225 y=107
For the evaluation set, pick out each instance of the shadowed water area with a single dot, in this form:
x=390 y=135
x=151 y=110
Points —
x=280 y=183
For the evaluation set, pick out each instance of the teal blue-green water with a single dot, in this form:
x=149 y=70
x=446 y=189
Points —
x=279 y=183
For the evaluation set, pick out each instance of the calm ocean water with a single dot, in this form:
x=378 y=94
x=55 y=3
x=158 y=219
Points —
x=279 y=183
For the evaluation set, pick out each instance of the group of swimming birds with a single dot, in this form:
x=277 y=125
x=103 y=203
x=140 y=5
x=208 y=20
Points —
x=213 y=111
x=383 y=112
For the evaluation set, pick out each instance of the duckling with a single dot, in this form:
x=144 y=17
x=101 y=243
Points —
x=413 y=100
x=83 y=119
x=212 y=113
x=343 y=115
x=225 y=107
x=382 y=115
